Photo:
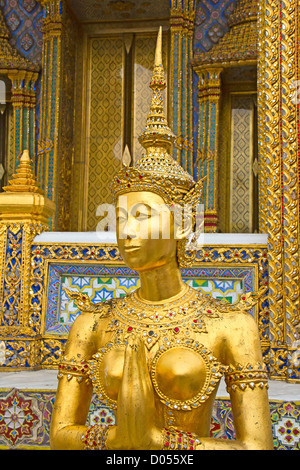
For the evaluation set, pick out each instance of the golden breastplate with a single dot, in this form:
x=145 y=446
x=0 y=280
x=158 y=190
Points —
x=180 y=374
x=183 y=375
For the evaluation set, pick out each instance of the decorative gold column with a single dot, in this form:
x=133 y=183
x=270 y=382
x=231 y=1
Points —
x=278 y=93
x=24 y=213
x=209 y=86
x=23 y=76
x=55 y=152
x=182 y=29
x=237 y=48
x=24 y=102
x=50 y=97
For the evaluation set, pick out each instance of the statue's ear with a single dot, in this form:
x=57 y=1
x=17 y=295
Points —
x=184 y=215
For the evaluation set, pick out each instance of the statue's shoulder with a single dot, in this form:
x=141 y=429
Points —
x=221 y=307
x=86 y=306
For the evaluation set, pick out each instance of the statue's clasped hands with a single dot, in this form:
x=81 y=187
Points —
x=135 y=428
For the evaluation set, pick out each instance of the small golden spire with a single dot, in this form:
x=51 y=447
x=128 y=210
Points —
x=126 y=158
x=157 y=136
x=158 y=50
x=24 y=179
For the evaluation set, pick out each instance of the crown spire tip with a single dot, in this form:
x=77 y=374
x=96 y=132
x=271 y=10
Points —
x=158 y=51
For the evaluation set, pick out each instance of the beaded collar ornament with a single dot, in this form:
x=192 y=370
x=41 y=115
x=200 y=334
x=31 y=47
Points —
x=156 y=170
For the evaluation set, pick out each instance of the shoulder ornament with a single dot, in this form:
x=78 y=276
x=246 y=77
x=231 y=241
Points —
x=246 y=302
x=85 y=305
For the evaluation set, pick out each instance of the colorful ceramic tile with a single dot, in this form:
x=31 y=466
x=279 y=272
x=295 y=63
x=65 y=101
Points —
x=25 y=417
x=211 y=20
x=102 y=282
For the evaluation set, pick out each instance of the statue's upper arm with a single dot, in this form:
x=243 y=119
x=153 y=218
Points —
x=247 y=383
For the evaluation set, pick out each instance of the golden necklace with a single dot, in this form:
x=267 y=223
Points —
x=179 y=317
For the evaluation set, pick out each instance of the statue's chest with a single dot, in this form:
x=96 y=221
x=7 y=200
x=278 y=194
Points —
x=182 y=369
x=183 y=374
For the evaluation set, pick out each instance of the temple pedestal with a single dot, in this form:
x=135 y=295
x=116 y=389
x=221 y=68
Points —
x=27 y=398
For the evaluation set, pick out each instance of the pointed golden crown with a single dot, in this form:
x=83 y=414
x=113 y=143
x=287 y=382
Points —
x=157 y=171
x=157 y=132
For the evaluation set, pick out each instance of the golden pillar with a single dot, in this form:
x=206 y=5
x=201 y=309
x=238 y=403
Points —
x=23 y=76
x=235 y=50
x=50 y=99
x=181 y=118
x=55 y=152
x=209 y=86
x=278 y=100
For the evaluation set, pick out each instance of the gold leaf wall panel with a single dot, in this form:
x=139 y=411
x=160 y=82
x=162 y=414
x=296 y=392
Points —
x=241 y=179
x=104 y=122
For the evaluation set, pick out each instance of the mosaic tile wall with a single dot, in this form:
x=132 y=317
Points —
x=102 y=282
x=24 y=20
x=211 y=22
x=25 y=418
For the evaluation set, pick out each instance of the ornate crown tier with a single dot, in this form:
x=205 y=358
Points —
x=159 y=174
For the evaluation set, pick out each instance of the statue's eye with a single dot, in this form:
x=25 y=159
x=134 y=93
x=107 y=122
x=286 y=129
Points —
x=140 y=215
x=121 y=218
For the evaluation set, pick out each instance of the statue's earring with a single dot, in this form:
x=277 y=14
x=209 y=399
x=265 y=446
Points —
x=184 y=224
x=185 y=257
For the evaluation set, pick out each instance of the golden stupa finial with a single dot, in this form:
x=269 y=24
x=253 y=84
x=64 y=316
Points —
x=23 y=180
x=157 y=135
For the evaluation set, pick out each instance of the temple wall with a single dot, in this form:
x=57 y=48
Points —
x=36 y=266
x=226 y=266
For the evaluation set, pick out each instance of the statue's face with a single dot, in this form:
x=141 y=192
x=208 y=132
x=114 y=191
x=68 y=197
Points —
x=145 y=230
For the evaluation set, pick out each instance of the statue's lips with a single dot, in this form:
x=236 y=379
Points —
x=131 y=248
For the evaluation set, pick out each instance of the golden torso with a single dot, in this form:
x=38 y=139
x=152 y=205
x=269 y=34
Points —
x=171 y=353
x=183 y=343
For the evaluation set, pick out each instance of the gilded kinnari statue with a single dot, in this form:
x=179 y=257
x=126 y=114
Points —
x=156 y=356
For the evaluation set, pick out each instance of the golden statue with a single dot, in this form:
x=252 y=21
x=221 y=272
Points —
x=156 y=356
